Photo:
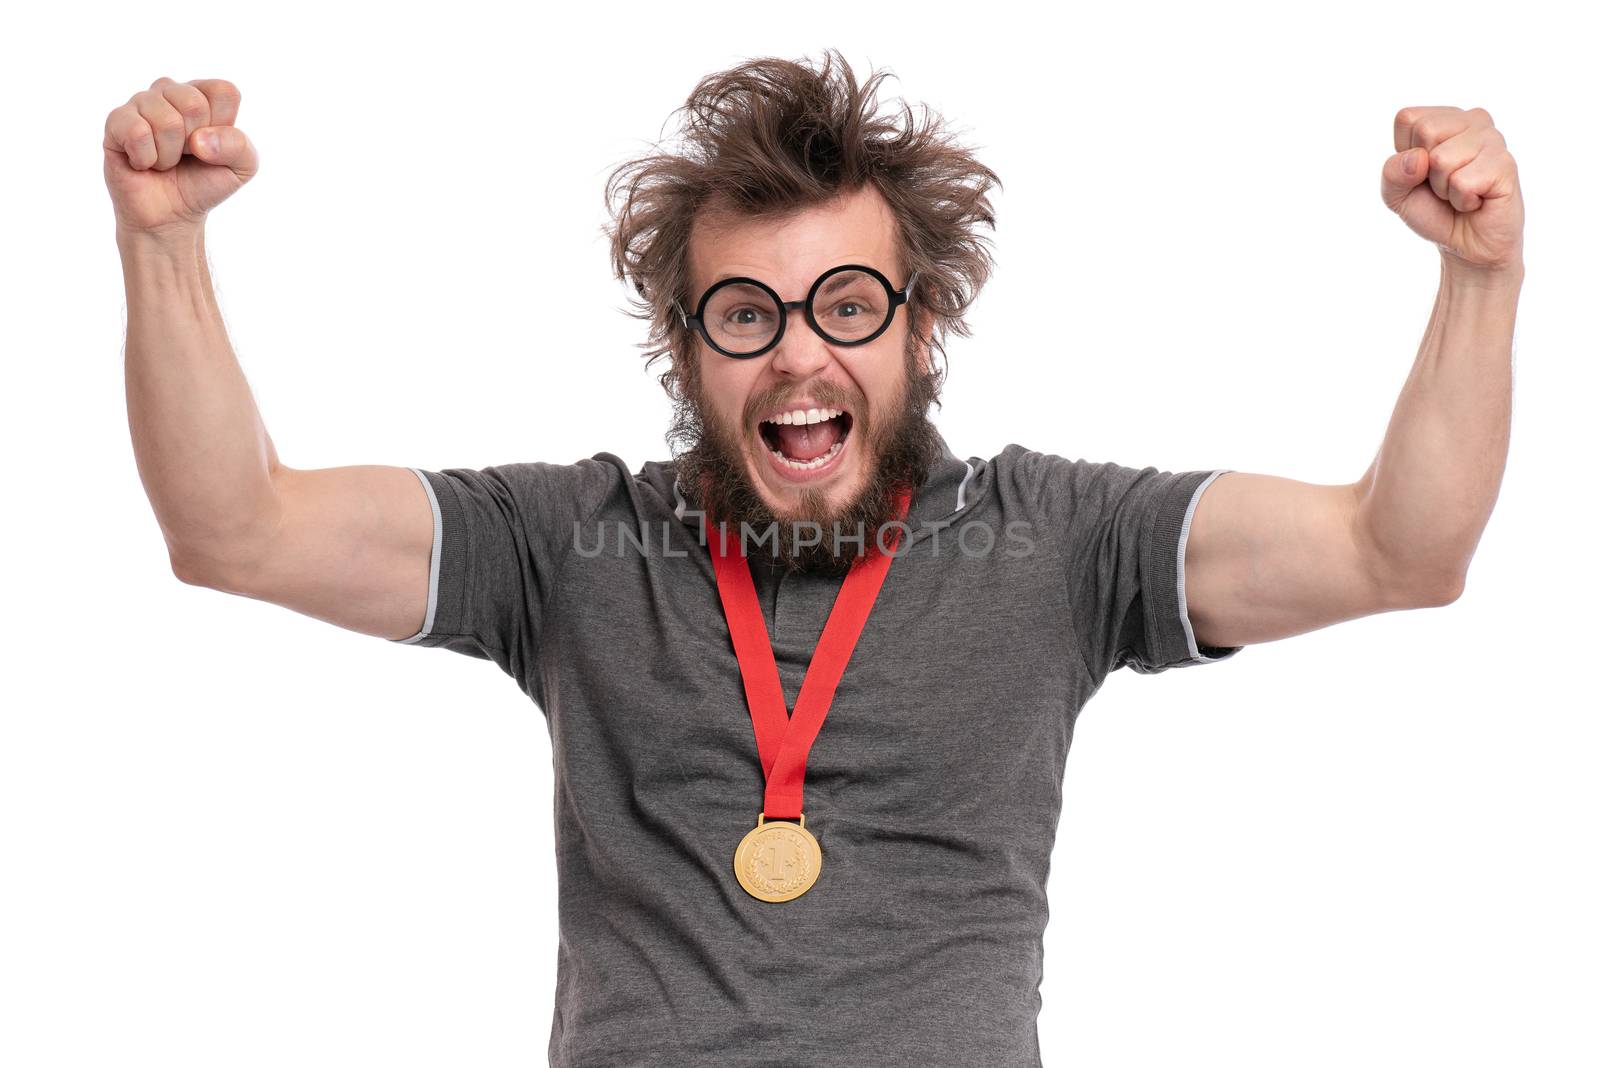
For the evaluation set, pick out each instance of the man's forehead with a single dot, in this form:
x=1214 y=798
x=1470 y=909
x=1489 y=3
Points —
x=791 y=252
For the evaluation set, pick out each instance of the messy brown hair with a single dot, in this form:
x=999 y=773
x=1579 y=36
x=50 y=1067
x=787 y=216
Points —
x=771 y=137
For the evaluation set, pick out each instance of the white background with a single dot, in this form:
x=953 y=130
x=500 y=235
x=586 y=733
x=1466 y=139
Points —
x=234 y=835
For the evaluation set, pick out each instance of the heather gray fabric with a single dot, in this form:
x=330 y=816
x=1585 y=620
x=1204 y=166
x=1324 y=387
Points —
x=934 y=786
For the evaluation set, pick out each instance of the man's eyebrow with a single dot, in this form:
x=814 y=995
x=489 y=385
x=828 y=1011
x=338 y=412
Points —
x=725 y=275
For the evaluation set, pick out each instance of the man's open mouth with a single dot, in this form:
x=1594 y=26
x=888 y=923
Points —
x=806 y=439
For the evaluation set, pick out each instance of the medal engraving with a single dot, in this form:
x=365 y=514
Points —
x=778 y=860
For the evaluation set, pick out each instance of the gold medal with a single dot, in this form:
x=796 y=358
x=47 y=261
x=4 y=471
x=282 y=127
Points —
x=778 y=860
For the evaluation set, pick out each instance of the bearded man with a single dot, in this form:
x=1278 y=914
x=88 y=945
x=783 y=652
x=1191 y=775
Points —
x=812 y=682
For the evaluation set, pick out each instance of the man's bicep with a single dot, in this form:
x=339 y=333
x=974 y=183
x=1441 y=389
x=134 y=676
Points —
x=1272 y=557
x=340 y=544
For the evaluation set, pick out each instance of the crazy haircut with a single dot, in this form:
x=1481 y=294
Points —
x=771 y=137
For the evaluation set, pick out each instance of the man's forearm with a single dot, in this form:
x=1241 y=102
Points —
x=1427 y=496
x=202 y=451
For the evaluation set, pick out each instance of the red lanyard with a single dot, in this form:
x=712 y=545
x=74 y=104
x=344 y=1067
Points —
x=784 y=742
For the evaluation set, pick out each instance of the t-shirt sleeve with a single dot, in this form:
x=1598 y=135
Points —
x=1124 y=532
x=500 y=535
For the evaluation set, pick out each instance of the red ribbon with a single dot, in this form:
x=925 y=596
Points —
x=784 y=742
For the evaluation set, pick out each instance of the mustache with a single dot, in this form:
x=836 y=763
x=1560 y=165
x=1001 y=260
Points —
x=821 y=395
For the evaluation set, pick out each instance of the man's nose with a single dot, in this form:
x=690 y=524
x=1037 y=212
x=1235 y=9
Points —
x=802 y=352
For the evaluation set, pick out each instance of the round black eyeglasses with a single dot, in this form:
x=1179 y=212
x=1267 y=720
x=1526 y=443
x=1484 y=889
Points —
x=743 y=318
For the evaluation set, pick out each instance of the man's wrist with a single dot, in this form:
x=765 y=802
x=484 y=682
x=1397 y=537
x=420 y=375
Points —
x=173 y=240
x=1456 y=273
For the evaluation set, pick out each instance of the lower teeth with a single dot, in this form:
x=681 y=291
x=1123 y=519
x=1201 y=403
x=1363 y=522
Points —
x=807 y=465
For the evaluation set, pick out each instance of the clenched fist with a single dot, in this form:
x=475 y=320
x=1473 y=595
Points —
x=173 y=153
x=1452 y=181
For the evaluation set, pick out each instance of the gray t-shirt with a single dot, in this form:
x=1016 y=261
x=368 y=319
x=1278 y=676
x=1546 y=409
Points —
x=934 y=786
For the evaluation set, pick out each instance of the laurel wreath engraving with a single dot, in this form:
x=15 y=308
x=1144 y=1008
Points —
x=800 y=870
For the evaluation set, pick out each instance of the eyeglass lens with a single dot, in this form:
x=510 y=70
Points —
x=849 y=306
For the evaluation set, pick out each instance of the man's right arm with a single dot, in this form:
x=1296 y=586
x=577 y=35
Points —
x=348 y=545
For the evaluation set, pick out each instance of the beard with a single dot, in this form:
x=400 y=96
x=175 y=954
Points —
x=897 y=449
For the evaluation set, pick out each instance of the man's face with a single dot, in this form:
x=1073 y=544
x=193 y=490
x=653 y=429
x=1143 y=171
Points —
x=881 y=440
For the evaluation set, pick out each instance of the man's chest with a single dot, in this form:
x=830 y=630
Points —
x=958 y=697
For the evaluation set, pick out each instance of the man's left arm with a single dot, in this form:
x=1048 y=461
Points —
x=1269 y=557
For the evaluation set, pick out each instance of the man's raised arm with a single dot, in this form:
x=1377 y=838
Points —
x=348 y=545
x=1269 y=557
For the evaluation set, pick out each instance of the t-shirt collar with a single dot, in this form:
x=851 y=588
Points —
x=946 y=491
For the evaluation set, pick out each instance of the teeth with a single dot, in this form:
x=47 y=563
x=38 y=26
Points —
x=809 y=464
x=802 y=416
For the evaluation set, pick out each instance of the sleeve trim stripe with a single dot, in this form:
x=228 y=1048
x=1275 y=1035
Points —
x=1183 y=544
x=433 y=562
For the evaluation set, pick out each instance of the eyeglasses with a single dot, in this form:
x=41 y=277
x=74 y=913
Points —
x=743 y=318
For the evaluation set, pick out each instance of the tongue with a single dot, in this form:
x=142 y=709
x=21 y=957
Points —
x=809 y=441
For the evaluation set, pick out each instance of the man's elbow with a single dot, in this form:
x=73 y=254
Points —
x=193 y=569
x=1439 y=591
x=186 y=572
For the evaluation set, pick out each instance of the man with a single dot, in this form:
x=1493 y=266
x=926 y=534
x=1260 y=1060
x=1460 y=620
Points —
x=861 y=880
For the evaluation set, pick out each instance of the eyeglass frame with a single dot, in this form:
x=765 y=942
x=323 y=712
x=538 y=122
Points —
x=696 y=322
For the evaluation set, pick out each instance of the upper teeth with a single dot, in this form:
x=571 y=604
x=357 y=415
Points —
x=801 y=416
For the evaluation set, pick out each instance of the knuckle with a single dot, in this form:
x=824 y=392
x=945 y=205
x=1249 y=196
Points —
x=225 y=91
x=1426 y=131
x=167 y=122
x=190 y=102
x=1482 y=114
